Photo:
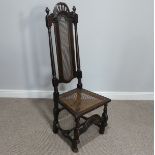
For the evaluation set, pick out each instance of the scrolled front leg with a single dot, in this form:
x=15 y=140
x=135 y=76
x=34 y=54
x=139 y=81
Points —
x=104 y=119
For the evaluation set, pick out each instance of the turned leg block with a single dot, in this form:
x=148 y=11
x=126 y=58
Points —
x=104 y=119
x=55 y=121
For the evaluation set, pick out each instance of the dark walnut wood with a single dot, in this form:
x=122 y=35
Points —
x=78 y=101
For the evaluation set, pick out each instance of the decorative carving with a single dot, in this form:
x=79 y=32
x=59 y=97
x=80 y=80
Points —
x=47 y=11
x=60 y=7
x=89 y=121
x=74 y=9
x=97 y=122
x=48 y=23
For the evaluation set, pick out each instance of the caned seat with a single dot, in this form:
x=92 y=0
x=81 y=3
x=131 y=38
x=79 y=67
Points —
x=78 y=101
x=81 y=101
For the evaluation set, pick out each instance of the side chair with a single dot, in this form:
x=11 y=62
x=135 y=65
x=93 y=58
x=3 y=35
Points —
x=78 y=101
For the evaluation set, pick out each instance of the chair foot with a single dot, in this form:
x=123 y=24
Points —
x=74 y=146
x=101 y=131
x=55 y=128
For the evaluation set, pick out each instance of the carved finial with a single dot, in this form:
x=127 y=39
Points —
x=74 y=9
x=47 y=11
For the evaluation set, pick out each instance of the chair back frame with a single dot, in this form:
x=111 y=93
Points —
x=61 y=9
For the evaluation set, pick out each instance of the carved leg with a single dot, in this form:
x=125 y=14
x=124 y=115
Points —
x=76 y=135
x=104 y=120
x=55 y=121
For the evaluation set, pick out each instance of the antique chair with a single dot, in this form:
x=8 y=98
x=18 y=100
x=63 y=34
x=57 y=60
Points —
x=78 y=101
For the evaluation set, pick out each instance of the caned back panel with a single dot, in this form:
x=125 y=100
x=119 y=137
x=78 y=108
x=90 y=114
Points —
x=65 y=48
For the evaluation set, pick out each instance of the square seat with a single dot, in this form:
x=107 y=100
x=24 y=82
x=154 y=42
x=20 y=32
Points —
x=81 y=101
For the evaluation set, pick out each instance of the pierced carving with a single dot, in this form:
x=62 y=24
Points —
x=89 y=121
x=60 y=7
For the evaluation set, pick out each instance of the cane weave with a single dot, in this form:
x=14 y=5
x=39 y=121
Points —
x=66 y=61
x=79 y=101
